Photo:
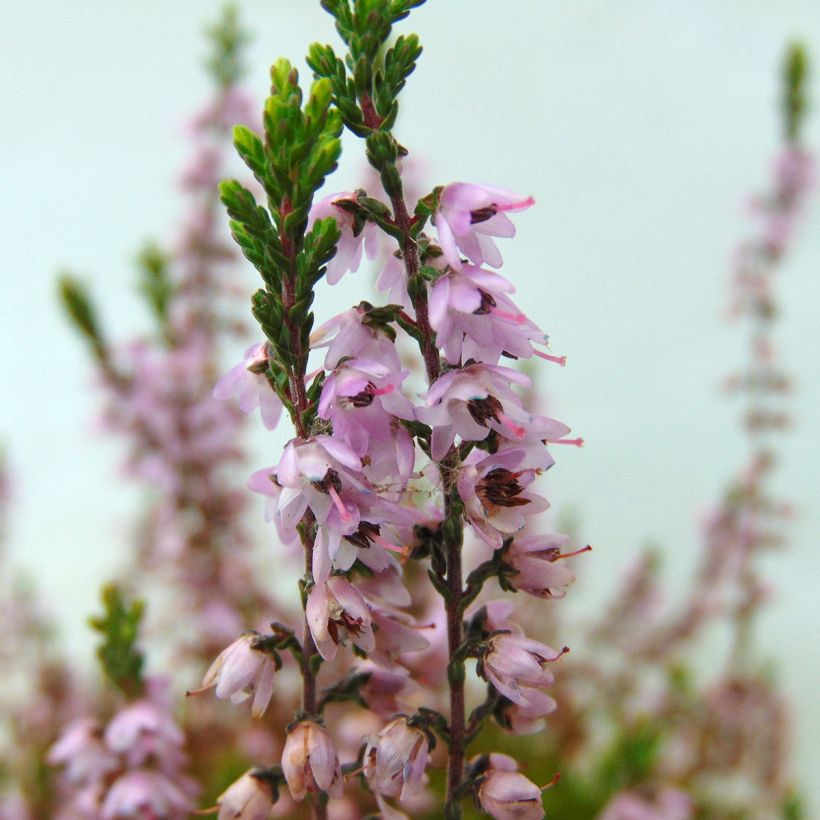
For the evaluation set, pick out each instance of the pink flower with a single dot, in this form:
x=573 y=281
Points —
x=145 y=793
x=351 y=243
x=350 y=334
x=535 y=559
x=81 y=749
x=363 y=401
x=383 y=690
x=505 y=794
x=394 y=761
x=526 y=719
x=469 y=215
x=473 y=400
x=248 y=383
x=393 y=279
x=241 y=670
x=396 y=633
x=324 y=475
x=494 y=490
x=386 y=582
x=310 y=762
x=474 y=318
x=336 y=610
x=669 y=804
x=515 y=665
x=249 y=798
x=145 y=729
x=232 y=107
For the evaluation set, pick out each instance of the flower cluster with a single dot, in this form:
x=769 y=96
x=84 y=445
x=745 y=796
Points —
x=377 y=480
x=131 y=767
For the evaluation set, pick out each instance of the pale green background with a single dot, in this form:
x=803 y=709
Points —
x=640 y=127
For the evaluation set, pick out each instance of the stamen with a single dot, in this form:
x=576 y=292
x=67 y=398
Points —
x=561 y=654
x=562 y=360
x=348 y=775
x=516 y=429
x=515 y=206
x=383 y=542
x=382 y=391
x=205 y=812
x=343 y=512
x=587 y=548
x=575 y=442
x=192 y=692
x=518 y=318
x=555 y=778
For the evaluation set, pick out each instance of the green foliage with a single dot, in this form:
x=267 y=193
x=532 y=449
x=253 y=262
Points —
x=793 y=808
x=80 y=310
x=155 y=281
x=630 y=759
x=796 y=69
x=121 y=659
x=365 y=84
x=301 y=147
x=228 y=40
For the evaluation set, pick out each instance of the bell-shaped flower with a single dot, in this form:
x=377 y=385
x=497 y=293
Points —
x=350 y=335
x=243 y=669
x=145 y=793
x=474 y=318
x=248 y=383
x=505 y=794
x=363 y=400
x=473 y=400
x=81 y=749
x=324 y=475
x=494 y=490
x=515 y=665
x=537 y=565
x=386 y=581
x=395 y=633
x=393 y=279
x=310 y=762
x=526 y=719
x=145 y=729
x=395 y=760
x=249 y=798
x=668 y=804
x=385 y=690
x=352 y=241
x=469 y=215
x=336 y=611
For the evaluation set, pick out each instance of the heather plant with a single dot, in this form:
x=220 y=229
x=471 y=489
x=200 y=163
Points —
x=41 y=687
x=133 y=763
x=641 y=732
x=372 y=485
x=182 y=445
x=414 y=669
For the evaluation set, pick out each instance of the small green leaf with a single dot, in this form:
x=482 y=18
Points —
x=121 y=659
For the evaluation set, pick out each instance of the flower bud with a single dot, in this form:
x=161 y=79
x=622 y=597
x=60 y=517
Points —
x=249 y=798
x=310 y=762
x=394 y=761
x=505 y=794
x=242 y=670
